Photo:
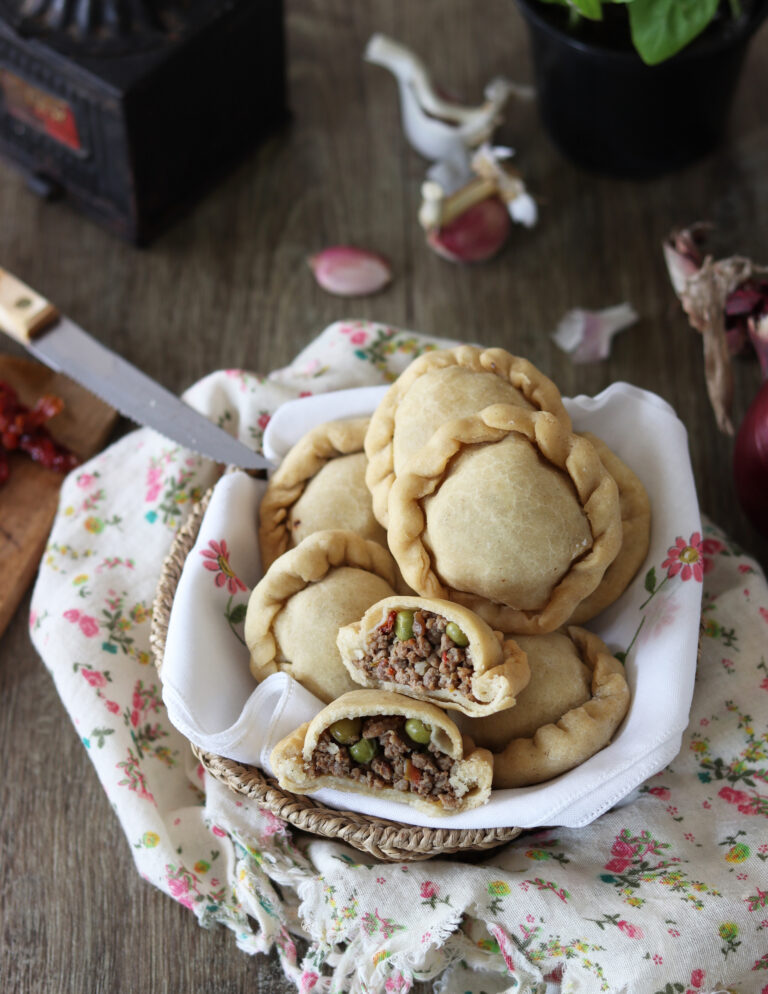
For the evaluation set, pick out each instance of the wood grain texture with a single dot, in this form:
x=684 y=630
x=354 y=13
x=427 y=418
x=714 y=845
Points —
x=229 y=286
x=29 y=498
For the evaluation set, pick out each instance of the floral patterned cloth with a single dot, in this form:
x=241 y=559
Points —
x=666 y=893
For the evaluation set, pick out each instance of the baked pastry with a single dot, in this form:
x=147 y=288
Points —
x=438 y=387
x=296 y=609
x=635 y=511
x=578 y=734
x=560 y=681
x=319 y=485
x=509 y=513
x=434 y=650
x=388 y=746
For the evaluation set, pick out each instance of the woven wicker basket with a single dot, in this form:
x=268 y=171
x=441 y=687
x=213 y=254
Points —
x=384 y=839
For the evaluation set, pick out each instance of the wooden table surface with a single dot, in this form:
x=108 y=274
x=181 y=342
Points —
x=228 y=285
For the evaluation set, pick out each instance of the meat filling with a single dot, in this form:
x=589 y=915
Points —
x=428 y=659
x=396 y=760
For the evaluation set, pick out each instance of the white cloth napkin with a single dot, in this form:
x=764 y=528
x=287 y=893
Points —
x=212 y=698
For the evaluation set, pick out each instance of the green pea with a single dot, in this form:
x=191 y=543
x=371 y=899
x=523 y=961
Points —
x=455 y=634
x=418 y=731
x=404 y=625
x=346 y=730
x=364 y=750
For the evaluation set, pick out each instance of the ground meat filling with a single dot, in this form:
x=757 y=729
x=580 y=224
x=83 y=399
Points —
x=429 y=660
x=399 y=763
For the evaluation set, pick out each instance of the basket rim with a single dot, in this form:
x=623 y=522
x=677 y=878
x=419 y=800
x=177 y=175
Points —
x=390 y=840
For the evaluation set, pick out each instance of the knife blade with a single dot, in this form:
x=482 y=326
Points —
x=59 y=343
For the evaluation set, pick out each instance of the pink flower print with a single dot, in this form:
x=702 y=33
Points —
x=154 y=483
x=94 y=678
x=428 y=890
x=358 y=337
x=663 y=792
x=623 y=854
x=217 y=560
x=85 y=480
x=381 y=880
x=744 y=568
x=218 y=831
x=733 y=796
x=697 y=978
x=307 y=982
x=274 y=825
x=764 y=614
x=179 y=889
x=685 y=558
x=88 y=626
x=658 y=960
x=397 y=983
x=112 y=706
x=305 y=393
x=263 y=421
x=134 y=718
x=764 y=684
x=72 y=615
x=711 y=546
x=633 y=931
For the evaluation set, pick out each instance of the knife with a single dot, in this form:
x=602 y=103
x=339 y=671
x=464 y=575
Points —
x=59 y=343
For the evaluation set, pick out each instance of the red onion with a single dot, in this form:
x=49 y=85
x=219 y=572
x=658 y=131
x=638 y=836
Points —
x=750 y=461
x=477 y=234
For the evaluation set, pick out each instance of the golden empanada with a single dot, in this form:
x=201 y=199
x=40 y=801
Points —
x=559 y=681
x=509 y=513
x=635 y=509
x=319 y=485
x=296 y=609
x=434 y=650
x=388 y=746
x=578 y=734
x=438 y=387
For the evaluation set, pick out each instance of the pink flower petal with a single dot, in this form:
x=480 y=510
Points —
x=587 y=335
x=350 y=272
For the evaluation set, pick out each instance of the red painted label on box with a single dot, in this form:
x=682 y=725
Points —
x=49 y=114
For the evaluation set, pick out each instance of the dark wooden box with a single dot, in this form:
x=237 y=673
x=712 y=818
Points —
x=133 y=131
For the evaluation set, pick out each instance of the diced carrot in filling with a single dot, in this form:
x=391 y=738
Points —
x=415 y=649
x=381 y=751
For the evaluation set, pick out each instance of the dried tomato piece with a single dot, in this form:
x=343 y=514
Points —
x=22 y=428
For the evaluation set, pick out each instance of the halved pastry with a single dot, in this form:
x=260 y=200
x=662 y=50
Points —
x=560 y=681
x=438 y=387
x=319 y=485
x=434 y=650
x=580 y=733
x=296 y=609
x=509 y=513
x=635 y=510
x=390 y=746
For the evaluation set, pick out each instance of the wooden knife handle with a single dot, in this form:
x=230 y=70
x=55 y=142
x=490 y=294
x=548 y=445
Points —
x=23 y=312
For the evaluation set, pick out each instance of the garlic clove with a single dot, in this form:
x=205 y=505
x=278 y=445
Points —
x=477 y=234
x=587 y=335
x=348 y=271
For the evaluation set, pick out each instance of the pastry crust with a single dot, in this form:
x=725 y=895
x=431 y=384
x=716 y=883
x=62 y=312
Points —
x=580 y=733
x=438 y=387
x=470 y=777
x=500 y=667
x=560 y=681
x=635 y=509
x=296 y=609
x=319 y=485
x=509 y=513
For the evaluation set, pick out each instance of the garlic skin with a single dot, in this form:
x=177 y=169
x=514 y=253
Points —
x=348 y=271
x=587 y=335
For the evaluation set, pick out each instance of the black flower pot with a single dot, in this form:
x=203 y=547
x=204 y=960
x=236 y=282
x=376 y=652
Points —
x=608 y=111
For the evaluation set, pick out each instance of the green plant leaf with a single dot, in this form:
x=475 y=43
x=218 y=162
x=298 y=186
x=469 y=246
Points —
x=660 y=28
x=593 y=9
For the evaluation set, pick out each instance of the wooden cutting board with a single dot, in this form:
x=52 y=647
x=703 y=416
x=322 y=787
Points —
x=29 y=498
